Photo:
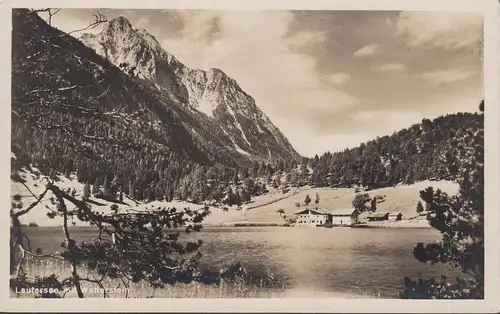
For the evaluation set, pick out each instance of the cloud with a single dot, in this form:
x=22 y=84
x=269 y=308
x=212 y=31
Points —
x=333 y=142
x=339 y=78
x=257 y=50
x=446 y=76
x=367 y=50
x=305 y=39
x=390 y=67
x=447 y=30
x=198 y=24
x=405 y=118
x=142 y=22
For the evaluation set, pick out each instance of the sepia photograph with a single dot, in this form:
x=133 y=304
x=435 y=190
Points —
x=194 y=153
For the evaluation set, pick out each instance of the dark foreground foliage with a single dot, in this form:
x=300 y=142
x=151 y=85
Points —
x=460 y=219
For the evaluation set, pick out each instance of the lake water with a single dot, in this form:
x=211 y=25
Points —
x=340 y=260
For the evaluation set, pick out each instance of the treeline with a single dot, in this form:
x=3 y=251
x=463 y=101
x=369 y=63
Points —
x=417 y=153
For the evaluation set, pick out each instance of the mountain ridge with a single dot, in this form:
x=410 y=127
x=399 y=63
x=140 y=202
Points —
x=210 y=92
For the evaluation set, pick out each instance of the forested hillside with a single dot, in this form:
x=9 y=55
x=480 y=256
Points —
x=73 y=111
x=417 y=153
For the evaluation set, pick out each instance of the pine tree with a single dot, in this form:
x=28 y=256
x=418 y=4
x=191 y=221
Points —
x=263 y=188
x=236 y=178
x=244 y=173
x=131 y=188
x=113 y=188
x=275 y=184
x=316 y=201
x=95 y=187
x=281 y=166
x=171 y=194
x=420 y=208
x=229 y=196
x=236 y=200
x=460 y=219
x=86 y=192
x=373 y=204
x=105 y=186
x=150 y=194
x=307 y=200
x=245 y=196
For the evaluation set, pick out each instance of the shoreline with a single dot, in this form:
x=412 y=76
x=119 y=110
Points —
x=371 y=225
x=405 y=224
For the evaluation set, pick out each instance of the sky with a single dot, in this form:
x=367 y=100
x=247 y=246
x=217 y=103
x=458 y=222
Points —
x=329 y=80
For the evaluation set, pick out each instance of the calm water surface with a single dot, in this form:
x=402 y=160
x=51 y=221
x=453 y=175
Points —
x=363 y=261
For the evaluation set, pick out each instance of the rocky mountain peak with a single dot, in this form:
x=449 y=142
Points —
x=121 y=44
x=215 y=72
x=210 y=92
x=120 y=23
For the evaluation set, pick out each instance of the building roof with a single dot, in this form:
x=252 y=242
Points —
x=374 y=214
x=395 y=214
x=341 y=211
x=314 y=210
x=324 y=211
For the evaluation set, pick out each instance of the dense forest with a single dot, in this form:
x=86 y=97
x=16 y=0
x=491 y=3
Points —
x=417 y=153
x=88 y=117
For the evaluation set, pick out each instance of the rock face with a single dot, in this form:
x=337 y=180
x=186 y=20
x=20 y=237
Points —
x=212 y=98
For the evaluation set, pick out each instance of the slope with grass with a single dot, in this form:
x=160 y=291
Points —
x=401 y=198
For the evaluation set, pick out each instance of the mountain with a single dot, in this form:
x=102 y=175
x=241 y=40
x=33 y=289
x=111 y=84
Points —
x=75 y=112
x=219 y=98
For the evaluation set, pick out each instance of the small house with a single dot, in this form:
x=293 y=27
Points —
x=395 y=216
x=312 y=217
x=344 y=217
x=378 y=216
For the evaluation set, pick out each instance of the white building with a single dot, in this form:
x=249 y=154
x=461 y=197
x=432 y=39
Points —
x=395 y=216
x=344 y=217
x=311 y=217
x=315 y=216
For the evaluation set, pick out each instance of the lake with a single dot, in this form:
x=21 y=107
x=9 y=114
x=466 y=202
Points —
x=340 y=260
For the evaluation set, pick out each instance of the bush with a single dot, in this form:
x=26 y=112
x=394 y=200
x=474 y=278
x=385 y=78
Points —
x=114 y=207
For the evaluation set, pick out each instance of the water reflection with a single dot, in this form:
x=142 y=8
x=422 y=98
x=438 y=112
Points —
x=342 y=260
x=367 y=261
